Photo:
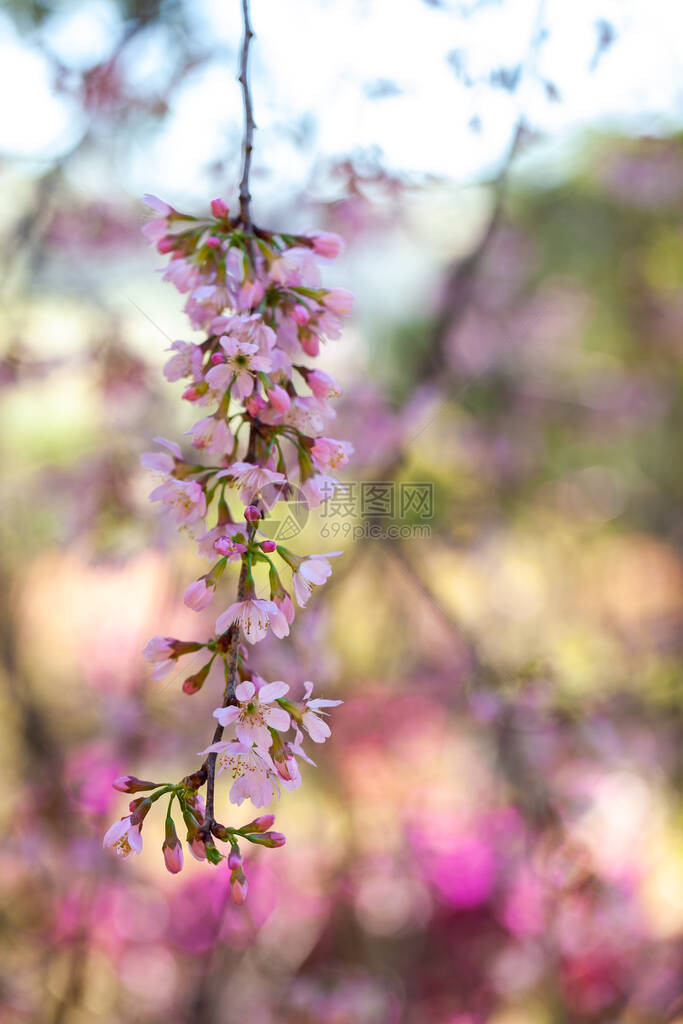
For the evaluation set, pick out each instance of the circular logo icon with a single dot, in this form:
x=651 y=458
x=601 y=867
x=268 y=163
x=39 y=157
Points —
x=285 y=512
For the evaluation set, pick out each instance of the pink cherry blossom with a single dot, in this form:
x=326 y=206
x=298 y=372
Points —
x=284 y=603
x=229 y=548
x=123 y=837
x=253 y=616
x=160 y=462
x=294 y=267
x=159 y=651
x=323 y=385
x=159 y=648
x=253 y=716
x=312 y=572
x=318 y=488
x=211 y=434
x=184 y=500
x=157 y=204
x=316 y=727
x=206 y=543
x=328 y=453
x=242 y=361
x=187 y=361
x=252 y=770
x=252 y=478
x=182 y=275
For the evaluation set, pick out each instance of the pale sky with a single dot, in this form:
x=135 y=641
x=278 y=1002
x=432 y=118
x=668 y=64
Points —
x=319 y=58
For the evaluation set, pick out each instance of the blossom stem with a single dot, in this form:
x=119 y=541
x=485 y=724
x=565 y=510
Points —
x=231 y=656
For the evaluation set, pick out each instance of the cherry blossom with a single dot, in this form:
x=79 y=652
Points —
x=253 y=617
x=312 y=572
x=254 y=716
x=252 y=770
x=184 y=500
x=252 y=479
x=123 y=837
x=316 y=727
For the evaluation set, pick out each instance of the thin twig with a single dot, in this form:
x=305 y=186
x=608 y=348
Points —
x=248 y=145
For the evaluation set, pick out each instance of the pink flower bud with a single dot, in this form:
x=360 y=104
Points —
x=252 y=514
x=197 y=848
x=268 y=546
x=310 y=343
x=173 y=856
x=129 y=784
x=234 y=859
x=238 y=889
x=339 y=301
x=270 y=839
x=213 y=242
x=300 y=315
x=279 y=399
x=262 y=824
x=219 y=208
x=166 y=244
x=191 y=394
x=255 y=404
x=198 y=595
x=327 y=244
x=217 y=358
x=276 y=839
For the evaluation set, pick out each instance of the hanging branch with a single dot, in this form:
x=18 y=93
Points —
x=257 y=296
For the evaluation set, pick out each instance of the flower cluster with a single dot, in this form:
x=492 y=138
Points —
x=258 y=299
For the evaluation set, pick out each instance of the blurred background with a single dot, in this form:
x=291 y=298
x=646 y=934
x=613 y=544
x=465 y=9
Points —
x=493 y=832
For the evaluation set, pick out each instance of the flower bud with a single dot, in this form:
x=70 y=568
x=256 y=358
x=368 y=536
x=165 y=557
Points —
x=194 y=683
x=198 y=595
x=197 y=848
x=279 y=399
x=327 y=244
x=338 y=301
x=300 y=315
x=219 y=208
x=213 y=242
x=238 y=887
x=252 y=514
x=270 y=839
x=129 y=784
x=234 y=858
x=260 y=824
x=166 y=244
x=217 y=358
x=268 y=546
x=172 y=849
